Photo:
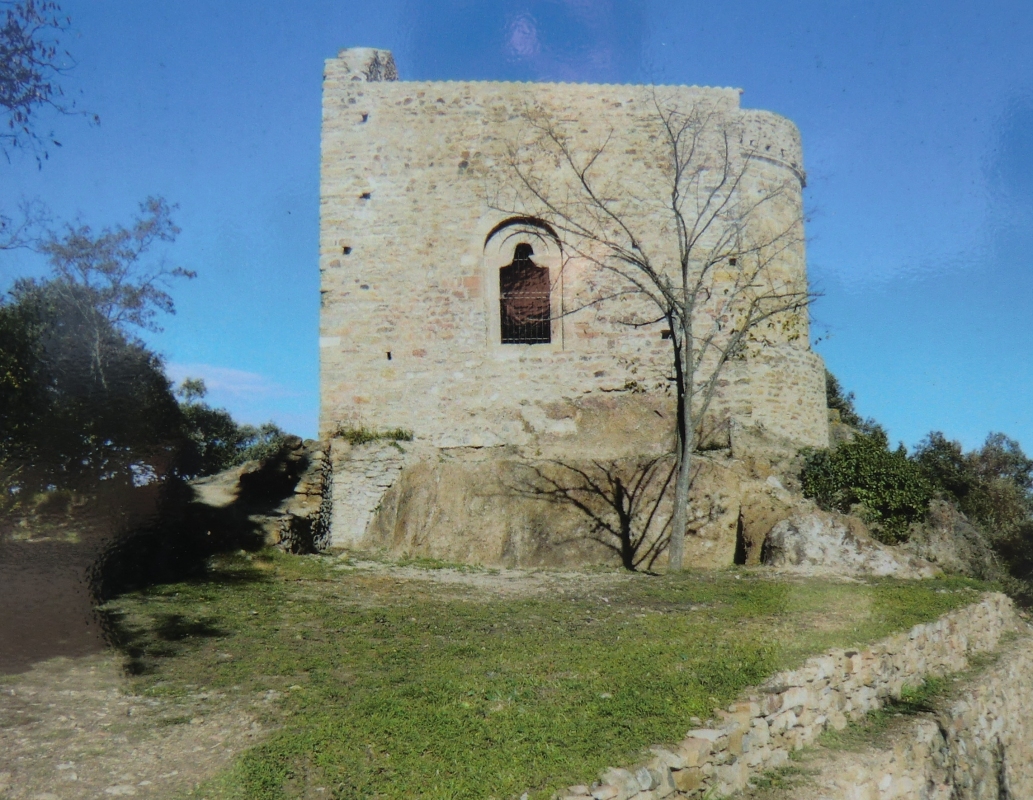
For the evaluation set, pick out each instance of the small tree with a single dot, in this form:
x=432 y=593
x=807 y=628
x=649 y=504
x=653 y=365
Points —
x=85 y=399
x=104 y=277
x=695 y=235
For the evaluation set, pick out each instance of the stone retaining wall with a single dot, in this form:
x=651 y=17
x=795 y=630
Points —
x=979 y=746
x=794 y=707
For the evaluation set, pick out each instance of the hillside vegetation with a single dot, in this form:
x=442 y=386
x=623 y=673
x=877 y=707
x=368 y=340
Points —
x=403 y=681
x=893 y=490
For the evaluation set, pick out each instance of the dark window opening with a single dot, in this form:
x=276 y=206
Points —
x=733 y=261
x=524 y=300
x=365 y=117
x=346 y=250
x=365 y=196
x=665 y=334
x=388 y=355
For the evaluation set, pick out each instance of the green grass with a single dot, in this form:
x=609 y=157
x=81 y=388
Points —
x=363 y=435
x=401 y=689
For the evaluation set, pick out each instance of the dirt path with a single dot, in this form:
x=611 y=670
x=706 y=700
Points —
x=496 y=582
x=69 y=730
x=46 y=602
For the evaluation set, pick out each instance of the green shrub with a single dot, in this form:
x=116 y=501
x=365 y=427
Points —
x=843 y=402
x=364 y=435
x=216 y=441
x=890 y=489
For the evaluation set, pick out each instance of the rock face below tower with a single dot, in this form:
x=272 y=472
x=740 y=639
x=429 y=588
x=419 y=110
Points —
x=421 y=327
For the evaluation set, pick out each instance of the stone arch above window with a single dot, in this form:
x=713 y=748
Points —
x=524 y=227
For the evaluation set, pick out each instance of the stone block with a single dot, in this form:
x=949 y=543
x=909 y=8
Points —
x=735 y=734
x=646 y=778
x=748 y=708
x=689 y=779
x=730 y=778
x=796 y=697
x=624 y=781
x=711 y=735
x=664 y=783
x=664 y=757
x=695 y=751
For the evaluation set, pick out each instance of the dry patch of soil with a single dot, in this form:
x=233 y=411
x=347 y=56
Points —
x=509 y=583
x=69 y=730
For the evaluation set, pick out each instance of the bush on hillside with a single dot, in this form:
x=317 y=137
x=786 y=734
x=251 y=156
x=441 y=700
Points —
x=886 y=488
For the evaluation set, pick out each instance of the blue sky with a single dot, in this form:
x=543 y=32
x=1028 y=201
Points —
x=917 y=123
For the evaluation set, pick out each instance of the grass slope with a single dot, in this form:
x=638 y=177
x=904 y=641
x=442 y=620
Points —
x=396 y=686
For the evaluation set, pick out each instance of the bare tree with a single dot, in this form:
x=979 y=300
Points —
x=103 y=278
x=32 y=63
x=23 y=230
x=698 y=230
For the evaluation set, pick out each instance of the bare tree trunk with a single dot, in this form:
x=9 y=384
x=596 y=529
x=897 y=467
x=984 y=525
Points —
x=680 y=518
x=684 y=377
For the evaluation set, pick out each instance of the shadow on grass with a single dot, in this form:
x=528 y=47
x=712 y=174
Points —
x=176 y=539
x=146 y=641
x=173 y=545
x=175 y=542
x=144 y=646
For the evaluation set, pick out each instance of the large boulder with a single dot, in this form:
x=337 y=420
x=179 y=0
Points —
x=820 y=542
x=497 y=508
x=280 y=498
x=764 y=504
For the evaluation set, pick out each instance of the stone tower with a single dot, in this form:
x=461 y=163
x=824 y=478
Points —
x=417 y=330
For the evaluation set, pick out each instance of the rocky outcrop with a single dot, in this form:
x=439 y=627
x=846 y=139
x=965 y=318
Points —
x=762 y=507
x=819 y=541
x=793 y=708
x=494 y=507
x=946 y=538
x=284 y=497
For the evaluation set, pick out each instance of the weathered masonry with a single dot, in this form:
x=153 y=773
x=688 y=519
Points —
x=445 y=316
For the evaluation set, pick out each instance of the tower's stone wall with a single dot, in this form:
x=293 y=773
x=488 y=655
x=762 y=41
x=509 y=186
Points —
x=409 y=325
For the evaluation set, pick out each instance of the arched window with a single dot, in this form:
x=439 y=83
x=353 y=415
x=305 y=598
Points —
x=525 y=310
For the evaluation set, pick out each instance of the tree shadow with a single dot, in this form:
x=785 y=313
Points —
x=171 y=544
x=144 y=645
x=173 y=539
x=623 y=501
